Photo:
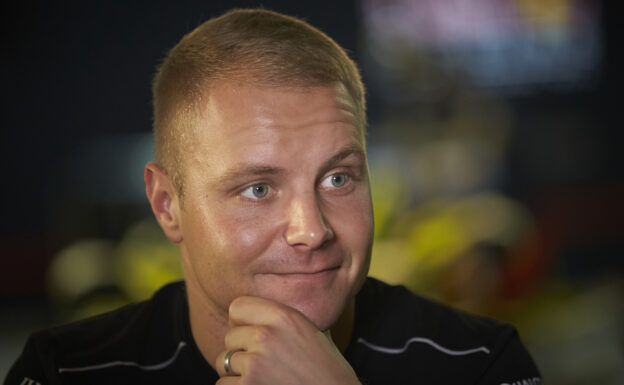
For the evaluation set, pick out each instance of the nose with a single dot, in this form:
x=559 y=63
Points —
x=307 y=226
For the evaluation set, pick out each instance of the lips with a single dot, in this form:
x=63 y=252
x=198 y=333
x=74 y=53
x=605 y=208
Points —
x=306 y=272
x=307 y=276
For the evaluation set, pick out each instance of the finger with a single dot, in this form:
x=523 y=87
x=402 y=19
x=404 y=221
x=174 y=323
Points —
x=247 y=337
x=233 y=363
x=260 y=311
x=229 y=381
x=253 y=311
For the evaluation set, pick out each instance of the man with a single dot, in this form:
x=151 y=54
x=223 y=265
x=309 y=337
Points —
x=261 y=179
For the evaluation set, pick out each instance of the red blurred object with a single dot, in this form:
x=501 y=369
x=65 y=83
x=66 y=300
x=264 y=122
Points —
x=23 y=265
x=565 y=217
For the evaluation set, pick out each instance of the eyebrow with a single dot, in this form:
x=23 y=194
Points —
x=247 y=170
x=345 y=153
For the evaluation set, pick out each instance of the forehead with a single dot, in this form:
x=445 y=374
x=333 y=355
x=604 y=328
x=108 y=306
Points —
x=236 y=103
x=253 y=122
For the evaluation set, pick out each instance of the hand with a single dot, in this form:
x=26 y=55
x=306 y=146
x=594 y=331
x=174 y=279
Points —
x=280 y=346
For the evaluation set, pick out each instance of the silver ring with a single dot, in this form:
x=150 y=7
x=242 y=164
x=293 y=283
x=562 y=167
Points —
x=226 y=362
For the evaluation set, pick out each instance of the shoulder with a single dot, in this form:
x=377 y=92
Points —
x=119 y=335
x=383 y=306
x=437 y=343
x=106 y=333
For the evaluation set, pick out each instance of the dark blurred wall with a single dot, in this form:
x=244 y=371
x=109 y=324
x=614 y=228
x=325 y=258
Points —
x=73 y=74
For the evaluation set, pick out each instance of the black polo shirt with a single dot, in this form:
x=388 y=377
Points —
x=399 y=338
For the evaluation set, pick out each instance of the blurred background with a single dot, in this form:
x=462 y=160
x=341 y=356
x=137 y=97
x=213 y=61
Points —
x=494 y=145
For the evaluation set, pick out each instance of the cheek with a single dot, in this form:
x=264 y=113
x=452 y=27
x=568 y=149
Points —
x=243 y=236
x=352 y=219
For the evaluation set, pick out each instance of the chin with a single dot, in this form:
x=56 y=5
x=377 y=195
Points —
x=323 y=314
x=321 y=298
x=323 y=320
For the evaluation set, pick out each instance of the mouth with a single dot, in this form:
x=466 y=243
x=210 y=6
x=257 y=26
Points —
x=306 y=274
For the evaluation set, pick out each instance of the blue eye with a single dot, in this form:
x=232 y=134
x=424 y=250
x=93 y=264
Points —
x=335 y=180
x=338 y=180
x=256 y=191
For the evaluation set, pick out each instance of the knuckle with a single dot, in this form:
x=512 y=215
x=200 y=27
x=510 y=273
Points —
x=262 y=335
x=228 y=338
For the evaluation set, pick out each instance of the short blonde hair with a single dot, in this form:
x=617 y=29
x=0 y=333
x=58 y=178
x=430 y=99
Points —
x=254 y=45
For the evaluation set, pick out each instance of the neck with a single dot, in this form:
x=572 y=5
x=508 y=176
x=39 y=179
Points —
x=342 y=330
x=208 y=324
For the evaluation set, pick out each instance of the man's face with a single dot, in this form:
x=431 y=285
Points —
x=276 y=200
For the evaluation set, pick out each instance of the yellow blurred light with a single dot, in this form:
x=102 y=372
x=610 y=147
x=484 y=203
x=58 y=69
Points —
x=146 y=261
x=545 y=13
x=391 y=261
x=389 y=194
x=436 y=240
x=80 y=268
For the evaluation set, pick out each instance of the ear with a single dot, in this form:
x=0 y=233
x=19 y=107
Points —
x=164 y=201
